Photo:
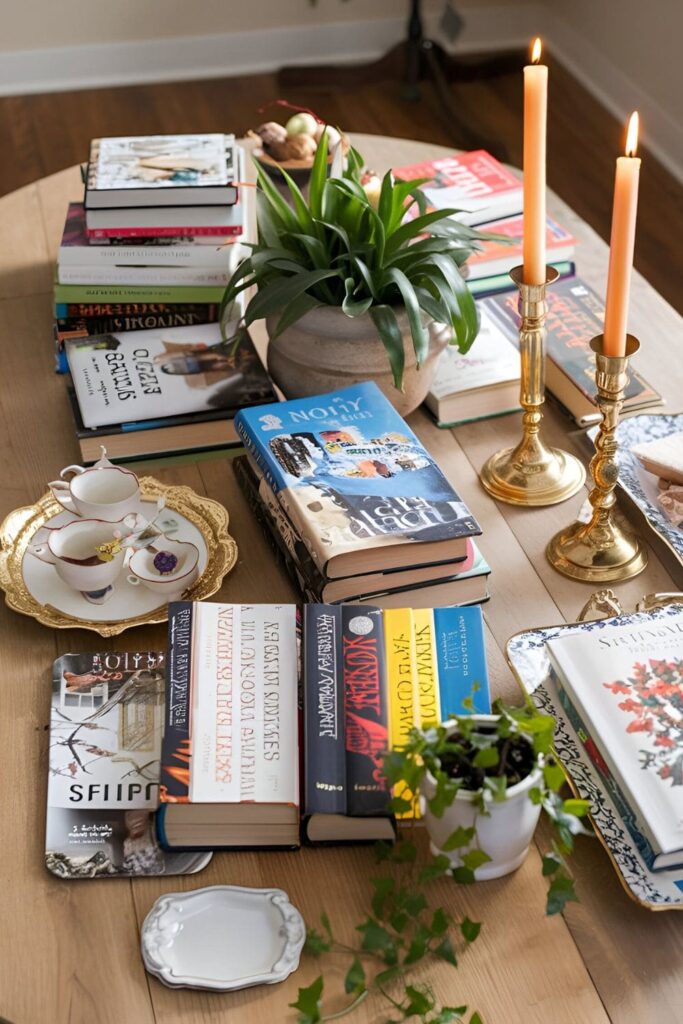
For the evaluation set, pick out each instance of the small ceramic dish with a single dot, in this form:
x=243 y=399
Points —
x=197 y=939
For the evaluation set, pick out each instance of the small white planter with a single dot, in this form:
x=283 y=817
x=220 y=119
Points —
x=505 y=834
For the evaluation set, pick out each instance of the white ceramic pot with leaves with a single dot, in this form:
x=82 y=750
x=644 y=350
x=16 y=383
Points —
x=504 y=832
x=350 y=289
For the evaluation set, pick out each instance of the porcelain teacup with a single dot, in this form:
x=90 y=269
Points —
x=168 y=568
x=87 y=554
x=103 y=491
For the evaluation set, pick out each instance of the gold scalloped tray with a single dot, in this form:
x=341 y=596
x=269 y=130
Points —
x=202 y=520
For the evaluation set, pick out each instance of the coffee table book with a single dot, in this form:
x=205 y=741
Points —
x=230 y=758
x=624 y=685
x=357 y=484
x=106 y=718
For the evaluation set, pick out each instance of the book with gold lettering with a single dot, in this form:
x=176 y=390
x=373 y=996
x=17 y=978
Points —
x=229 y=774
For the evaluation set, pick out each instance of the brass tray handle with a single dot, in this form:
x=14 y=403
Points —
x=607 y=602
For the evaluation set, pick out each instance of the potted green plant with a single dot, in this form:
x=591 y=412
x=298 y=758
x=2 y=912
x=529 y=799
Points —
x=349 y=290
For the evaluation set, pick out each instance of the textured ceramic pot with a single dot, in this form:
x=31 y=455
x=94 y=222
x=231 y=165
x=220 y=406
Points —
x=505 y=834
x=326 y=350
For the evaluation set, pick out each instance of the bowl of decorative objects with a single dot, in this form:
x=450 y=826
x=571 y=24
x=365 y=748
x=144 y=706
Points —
x=292 y=146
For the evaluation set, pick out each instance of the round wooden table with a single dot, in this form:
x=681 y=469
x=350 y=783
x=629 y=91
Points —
x=70 y=949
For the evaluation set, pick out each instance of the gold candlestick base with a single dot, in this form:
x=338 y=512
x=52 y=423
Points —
x=601 y=550
x=532 y=474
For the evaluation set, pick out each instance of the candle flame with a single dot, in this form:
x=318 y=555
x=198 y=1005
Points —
x=536 y=50
x=632 y=135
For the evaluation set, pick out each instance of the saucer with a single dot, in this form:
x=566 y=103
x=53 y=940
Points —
x=197 y=939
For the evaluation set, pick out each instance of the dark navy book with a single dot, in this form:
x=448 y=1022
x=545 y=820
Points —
x=324 y=751
x=357 y=484
x=461 y=660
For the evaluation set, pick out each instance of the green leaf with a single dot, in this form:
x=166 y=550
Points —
x=488 y=757
x=308 y=1003
x=376 y=938
x=560 y=892
x=438 y=867
x=476 y=1019
x=318 y=177
x=351 y=306
x=276 y=295
x=440 y=922
x=277 y=203
x=415 y=903
x=405 y=852
x=412 y=308
x=420 y=1002
x=551 y=864
x=355 y=977
x=475 y=858
x=293 y=312
x=445 y=951
x=470 y=929
x=325 y=922
x=461 y=837
x=463 y=875
x=384 y=887
x=301 y=209
x=387 y=976
x=315 y=943
x=418 y=947
x=553 y=775
x=576 y=807
x=385 y=321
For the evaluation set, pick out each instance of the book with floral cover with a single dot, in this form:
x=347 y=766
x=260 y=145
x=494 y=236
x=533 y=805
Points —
x=626 y=685
x=104 y=763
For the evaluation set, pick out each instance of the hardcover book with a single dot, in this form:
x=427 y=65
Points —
x=493 y=257
x=477 y=384
x=106 y=725
x=476 y=184
x=163 y=170
x=575 y=315
x=426 y=668
x=230 y=762
x=461 y=660
x=356 y=483
x=126 y=377
x=626 y=684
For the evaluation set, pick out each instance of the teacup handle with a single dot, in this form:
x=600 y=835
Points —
x=42 y=552
x=73 y=470
x=61 y=493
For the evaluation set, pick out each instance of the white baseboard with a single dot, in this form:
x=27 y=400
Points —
x=491 y=27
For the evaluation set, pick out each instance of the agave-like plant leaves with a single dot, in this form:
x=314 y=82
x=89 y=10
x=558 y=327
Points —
x=335 y=248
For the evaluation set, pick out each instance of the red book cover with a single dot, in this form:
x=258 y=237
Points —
x=476 y=175
x=557 y=239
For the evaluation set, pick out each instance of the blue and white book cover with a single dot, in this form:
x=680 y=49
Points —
x=351 y=473
x=461 y=660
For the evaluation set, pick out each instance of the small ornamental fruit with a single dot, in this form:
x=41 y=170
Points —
x=271 y=133
x=164 y=562
x=301 y=124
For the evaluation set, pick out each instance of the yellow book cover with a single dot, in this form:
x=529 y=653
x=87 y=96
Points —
x=399 y=641
x=426 y=668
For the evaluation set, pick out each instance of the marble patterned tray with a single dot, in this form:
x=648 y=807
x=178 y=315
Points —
x=526 y=654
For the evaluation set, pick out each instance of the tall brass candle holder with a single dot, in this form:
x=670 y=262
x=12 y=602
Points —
x=532 y=473
x=602 y=551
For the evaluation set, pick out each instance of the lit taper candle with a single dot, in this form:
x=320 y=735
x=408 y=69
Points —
x=622 y=241
x=535 y=117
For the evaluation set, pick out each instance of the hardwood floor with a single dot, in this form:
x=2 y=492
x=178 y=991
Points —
x=41 y=134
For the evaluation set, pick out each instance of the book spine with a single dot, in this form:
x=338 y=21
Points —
x=324 y=749
x=221 y=231
x=72 y=327
x=255 y=453
x=426 y=668
x=366 y=712
x=77 y=312
x=94 y=293
x=461 y=659
x=624 y=809
x=139 y=276
x=108 y=257
x=176 y=753
x=399 y=639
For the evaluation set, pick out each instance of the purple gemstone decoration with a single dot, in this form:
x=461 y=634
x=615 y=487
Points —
x=165 y=562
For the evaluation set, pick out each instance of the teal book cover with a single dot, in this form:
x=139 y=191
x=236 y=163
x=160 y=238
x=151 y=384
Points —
x=461 y=660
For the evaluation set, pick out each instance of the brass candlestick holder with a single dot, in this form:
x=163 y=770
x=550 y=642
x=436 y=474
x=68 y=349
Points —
x=601 y=550
x=532 y=473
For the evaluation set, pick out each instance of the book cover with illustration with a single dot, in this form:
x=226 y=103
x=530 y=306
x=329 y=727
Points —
x=106 y=723
x=354 y=480
x=475 y=183
x=495 y=257
x=626 y=683
x=144 y=375
x=575 y=315
x=155 y=164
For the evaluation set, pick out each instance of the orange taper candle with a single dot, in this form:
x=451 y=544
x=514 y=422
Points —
x=535 y=116
x=622 y=241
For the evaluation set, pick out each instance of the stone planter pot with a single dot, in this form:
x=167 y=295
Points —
x=326 y=350
x=505 y=834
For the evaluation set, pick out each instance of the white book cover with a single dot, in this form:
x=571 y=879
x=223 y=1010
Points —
x=158 y=162
x=626 y=683
x=166 y=371
x=493 y=359
x=244 y=724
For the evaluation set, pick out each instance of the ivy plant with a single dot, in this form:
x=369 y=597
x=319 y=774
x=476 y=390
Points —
x=402 y=927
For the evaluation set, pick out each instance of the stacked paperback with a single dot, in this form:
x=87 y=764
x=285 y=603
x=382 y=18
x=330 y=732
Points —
x=622 y=689
x=355 y=504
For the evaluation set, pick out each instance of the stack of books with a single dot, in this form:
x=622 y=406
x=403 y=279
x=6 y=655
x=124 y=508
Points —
x=231 y=754
x=622 y=689
x=355 y=505
x=150 y=245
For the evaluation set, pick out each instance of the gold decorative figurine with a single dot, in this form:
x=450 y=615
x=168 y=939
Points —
x=601 y=550
x=532 y=473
